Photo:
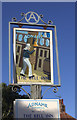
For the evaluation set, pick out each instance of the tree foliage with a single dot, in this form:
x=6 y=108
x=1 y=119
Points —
x=8 y=96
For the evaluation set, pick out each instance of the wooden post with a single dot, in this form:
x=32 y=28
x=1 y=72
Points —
x=35 y=91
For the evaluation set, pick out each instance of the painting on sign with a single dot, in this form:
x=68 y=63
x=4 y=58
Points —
x=44 y=108
x=33 y=56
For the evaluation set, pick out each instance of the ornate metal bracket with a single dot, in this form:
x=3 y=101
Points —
x=55 y=90
x=16 y=87
x=32 y=18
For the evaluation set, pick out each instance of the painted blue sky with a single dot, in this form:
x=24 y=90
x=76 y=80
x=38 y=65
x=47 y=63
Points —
x=63 y=16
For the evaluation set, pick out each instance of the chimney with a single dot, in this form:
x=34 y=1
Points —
x=62 y=106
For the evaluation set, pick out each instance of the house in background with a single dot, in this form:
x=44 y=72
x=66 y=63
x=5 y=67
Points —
x=63 y=114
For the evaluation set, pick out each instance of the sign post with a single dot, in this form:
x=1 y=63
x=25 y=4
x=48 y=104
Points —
x=35 y=91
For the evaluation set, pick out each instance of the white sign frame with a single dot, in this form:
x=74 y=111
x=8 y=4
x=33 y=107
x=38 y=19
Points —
x=41 y=108
x=51 y=56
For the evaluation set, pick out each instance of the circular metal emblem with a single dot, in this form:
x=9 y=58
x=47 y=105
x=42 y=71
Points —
x=32 y=17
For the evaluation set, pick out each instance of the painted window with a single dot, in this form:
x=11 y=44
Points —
x=45 y=54
x=25 y=38
x=20 y=37
x=40 y=62
x=47 y=42
x=48 y=34
x=42 y=41
x=41 y=53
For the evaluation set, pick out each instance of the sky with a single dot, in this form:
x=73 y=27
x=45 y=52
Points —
x=63 y=16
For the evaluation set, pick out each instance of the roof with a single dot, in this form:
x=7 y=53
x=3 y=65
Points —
x=63 y=114
x=66 y=116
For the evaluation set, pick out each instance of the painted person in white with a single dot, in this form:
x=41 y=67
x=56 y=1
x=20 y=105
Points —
x=26 y=62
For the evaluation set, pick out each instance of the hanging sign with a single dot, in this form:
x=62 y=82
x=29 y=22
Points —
x=43 y=108
x=33 y=56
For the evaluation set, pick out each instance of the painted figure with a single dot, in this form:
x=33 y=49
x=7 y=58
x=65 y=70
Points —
x=26 y=62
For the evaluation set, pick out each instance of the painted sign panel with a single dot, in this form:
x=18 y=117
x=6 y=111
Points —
x=43 y=108
x=33 y=56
